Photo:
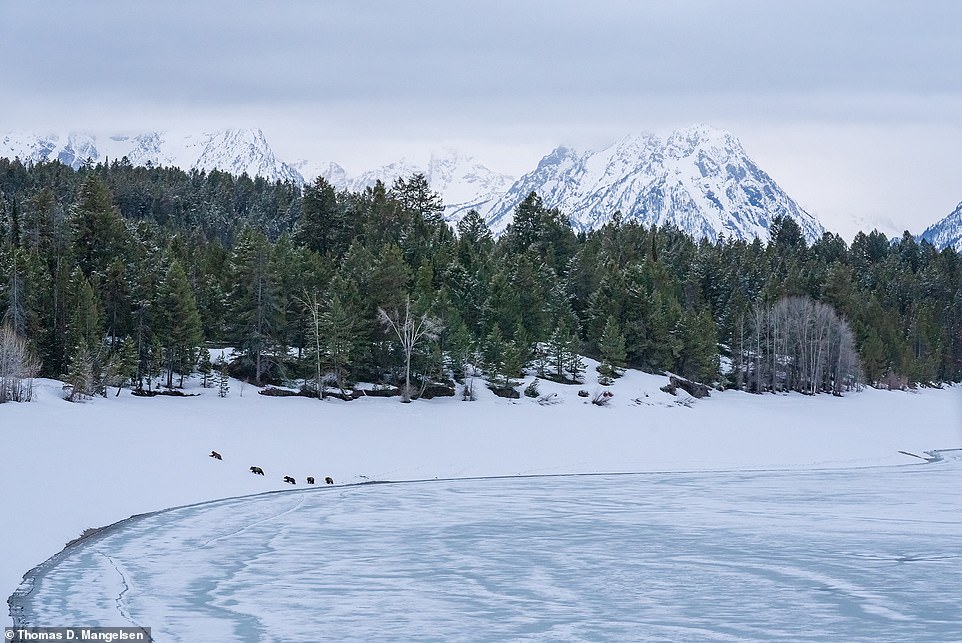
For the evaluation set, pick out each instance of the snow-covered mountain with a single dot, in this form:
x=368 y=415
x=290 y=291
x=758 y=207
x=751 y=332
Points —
x=700 y=179
x=229 y=150
x=463 y=181
x=70 y=149
x=947 y=232
x=386 y=174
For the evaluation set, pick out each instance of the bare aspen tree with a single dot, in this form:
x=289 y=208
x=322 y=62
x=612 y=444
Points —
x=409 y=330
x=759 y=323
x=810 y=349
x=313 y=305
x=17 y=367
x=16 y=315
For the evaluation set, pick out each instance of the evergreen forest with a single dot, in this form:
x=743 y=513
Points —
x=114 y=275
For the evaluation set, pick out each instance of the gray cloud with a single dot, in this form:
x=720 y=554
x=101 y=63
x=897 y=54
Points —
x=219 y=52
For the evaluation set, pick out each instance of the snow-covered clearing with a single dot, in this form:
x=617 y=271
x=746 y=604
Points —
x=67 y=467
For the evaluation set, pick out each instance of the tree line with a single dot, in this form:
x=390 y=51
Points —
x=120 y=274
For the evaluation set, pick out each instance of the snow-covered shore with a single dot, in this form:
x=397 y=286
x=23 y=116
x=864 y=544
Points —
x=68 y=467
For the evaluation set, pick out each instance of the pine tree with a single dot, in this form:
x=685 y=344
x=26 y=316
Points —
x=84 y=321
x=474 y=233
x=514 y=360
x=416 y=196
x=99 y=232
x=460 y=349
x=256 y=309
x=204 y=367
x=320 y=220
x=179 y=331
x=80 y=374
x=612 y=347
x=575 y=365
x=84 y=363
x=223 y=381
x=341 y=333
x=154 y=362
x=127 y=362
x=116 y=302
x=563 y=353
x=697 y=356
x=495 y=359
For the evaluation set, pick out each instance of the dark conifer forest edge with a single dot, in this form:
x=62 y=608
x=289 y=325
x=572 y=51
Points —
x=117 y=275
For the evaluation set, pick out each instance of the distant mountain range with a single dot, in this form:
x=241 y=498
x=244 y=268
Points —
x=699 y=179
x=230 y=150
x=463 y=182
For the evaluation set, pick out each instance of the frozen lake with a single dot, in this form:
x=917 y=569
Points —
x=844 y=554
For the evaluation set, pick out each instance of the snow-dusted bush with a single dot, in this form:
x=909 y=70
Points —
x=531 y=390
x=601 y=398
x=549 y=399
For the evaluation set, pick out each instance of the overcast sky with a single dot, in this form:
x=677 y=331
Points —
x=855 y=108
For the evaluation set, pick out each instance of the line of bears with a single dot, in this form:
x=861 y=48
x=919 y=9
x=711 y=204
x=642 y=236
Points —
x=258 y=471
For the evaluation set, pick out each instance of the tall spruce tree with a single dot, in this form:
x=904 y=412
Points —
x=256 y=308
x=612 y=348
x=319 y=226
x=416 y=196
x=179 y=327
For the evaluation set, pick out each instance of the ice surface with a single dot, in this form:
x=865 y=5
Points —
x=872 y=553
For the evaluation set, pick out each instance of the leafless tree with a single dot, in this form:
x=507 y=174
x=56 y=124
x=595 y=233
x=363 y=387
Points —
x=312 y=303
x=800 y=345
x=17 y=367
x=16 y=315
x=409 y=330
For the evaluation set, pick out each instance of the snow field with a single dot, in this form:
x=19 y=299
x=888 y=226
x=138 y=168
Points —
x=68 y=467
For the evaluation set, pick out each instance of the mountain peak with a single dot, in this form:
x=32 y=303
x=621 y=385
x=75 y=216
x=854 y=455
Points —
x=699 y=179
x=686 y=141
x=947 y=233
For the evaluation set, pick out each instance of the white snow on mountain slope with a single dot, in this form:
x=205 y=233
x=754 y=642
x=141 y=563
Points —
x=386 y=174
x=230 y=150
x=70 y=149
x=463 y=181
x=947 y=233
x=700 y=179
x=332 y=172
